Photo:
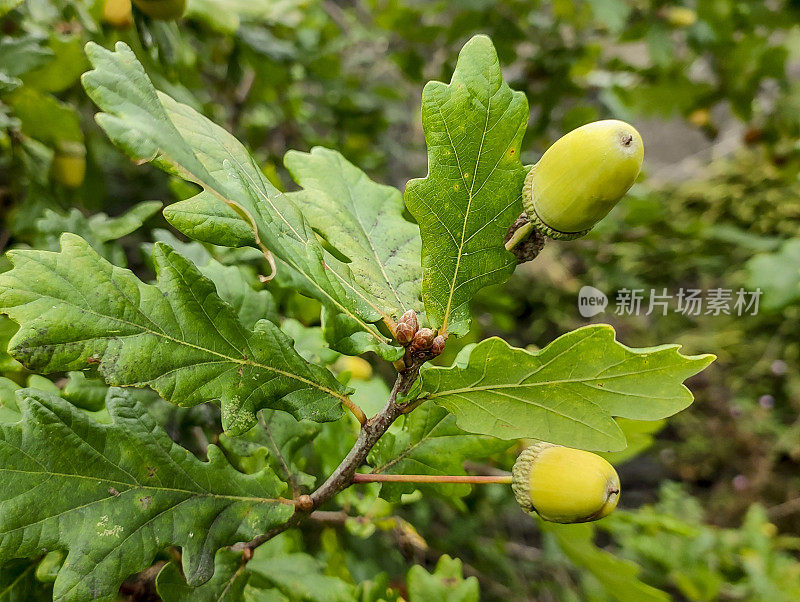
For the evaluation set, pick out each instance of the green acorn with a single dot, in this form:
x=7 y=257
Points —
x=564 y=485
x=69 y=164
x=581 y=177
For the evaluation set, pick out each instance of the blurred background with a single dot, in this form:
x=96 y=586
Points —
x=711 y=498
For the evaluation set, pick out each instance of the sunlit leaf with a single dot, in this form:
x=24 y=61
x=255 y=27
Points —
x=473 y=191
x=568 y=392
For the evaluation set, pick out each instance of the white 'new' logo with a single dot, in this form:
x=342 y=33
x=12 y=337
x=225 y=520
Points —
x=591 y=301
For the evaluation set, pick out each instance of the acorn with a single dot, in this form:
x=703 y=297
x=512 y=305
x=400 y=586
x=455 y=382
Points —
x=163 y=10
x=117 y=13
x=357 y=368
x=564 y=485
x=69 y=164
x=680 y=16
x=581 y=177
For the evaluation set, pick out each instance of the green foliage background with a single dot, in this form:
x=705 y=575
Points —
x=711 y=503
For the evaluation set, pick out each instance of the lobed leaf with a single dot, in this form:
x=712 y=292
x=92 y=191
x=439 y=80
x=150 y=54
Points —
x=445 y=583
x=115 y=495
x=568 y=392
x=298 y=575
x=364 y=221
x=75 y=309
x=227 y=584
x=152 y=126
x=473 y=191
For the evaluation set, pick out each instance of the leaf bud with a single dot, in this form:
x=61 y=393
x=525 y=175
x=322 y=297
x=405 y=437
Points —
x=410 y=318
x=404 y=333
x=423 y=340
x=438 y=345
x=565 y=485
x=304 y=503
x=581 y=178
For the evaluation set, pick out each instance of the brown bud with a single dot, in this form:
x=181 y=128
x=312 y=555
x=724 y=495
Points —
x=304 y=503
x=423 y=339
x=410 y=318
x=404 y=333
x=438 y=345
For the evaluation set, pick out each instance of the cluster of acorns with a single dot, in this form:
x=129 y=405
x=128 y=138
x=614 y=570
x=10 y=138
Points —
x=422 y=344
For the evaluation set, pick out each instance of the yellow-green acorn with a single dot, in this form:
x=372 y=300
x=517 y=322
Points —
x=564 y=485
x=163 y=10
x=581 y=177
x=69 y=164
x=117 y=13
x=358 y=368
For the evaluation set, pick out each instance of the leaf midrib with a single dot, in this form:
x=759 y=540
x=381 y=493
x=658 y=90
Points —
x=145 y=330
x=446 y=316
x=140 y=486
x=582 y=380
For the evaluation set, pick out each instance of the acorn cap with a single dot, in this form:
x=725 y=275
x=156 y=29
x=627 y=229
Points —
x=581 y=178
x=564 y=485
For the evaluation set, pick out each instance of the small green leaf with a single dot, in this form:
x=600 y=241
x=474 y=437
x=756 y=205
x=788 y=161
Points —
x=75 y=309
x=275 y=444
x=98 y=230
x=566 y=393
x=207 y=220
x=473 y=191
x=299 y=576
x=445 y=584
x=115 y=495
x=430 y=443
x=86 y=393
x=227 y=584
x=236 y=284
x=43 y=117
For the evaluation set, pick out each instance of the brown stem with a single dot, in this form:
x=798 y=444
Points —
x=429 y=478
x=371 y=430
